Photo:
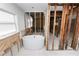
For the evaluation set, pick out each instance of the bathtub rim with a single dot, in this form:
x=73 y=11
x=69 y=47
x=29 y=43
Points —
x=24 y=38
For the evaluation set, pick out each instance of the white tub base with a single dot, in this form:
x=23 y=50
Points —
x=33 y=42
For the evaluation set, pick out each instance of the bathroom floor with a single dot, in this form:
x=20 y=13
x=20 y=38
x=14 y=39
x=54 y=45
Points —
x=56 y=42
x=44 y=52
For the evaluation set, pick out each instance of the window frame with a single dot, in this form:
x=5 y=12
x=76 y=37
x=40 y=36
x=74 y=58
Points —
x=15 y=23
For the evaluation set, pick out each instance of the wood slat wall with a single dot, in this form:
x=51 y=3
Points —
x=48 y=26
x=76 y=31
x=68 y=26
x=8 y=42
x=55 y=7
x=63 y=24
x=68 y=11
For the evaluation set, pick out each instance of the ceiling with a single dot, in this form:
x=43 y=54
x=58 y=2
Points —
x=33 y=7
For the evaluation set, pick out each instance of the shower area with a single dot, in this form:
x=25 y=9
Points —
x=38 y=21
x=34 y=28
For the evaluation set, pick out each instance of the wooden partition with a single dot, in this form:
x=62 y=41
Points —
x=8 y=42
x=68 y=26
x=67 y=14
x=64 y=22
x=54 y=24
x=76 y=31
x=47 y=26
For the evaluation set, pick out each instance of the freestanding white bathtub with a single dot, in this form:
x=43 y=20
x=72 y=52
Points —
x=33 y=42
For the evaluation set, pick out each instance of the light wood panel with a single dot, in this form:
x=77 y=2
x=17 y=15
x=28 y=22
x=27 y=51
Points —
x=63 y=24
x=35 y=21
x=48 y=26
x=40 y=22
x=9 y=41
x=55 y=7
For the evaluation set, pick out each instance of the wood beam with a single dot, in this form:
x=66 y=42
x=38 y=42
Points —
x=69 y=26
x=61 y=31
x=75 y=9
x=61 y=4
x=40 y=22
x=35 y=21
x=55 y=7
x=76 y=31
x=63 y=24
x=48 y=25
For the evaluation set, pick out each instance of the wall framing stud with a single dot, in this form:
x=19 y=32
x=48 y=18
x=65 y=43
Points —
x=69 y=26
x=48 y=25
x=55 y=7
x=35 y=21
x=63 y=24
x=76 y=31
x=40 y=22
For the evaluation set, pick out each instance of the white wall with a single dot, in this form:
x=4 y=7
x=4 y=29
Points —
x=13 y=8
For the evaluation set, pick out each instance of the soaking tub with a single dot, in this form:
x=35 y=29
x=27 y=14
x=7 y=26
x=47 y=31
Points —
x=33 y=42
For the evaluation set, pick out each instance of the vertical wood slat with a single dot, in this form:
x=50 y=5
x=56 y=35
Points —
x=43 y=21
x=48 y=25
x=72 y=44
x=40 y=22
x=66 y=25
x=61 y=33
x=63 y=24
x=65 y=31
x=78 y=21
x=48 y=18
x=76 y=34
x=69 y=26
x=55 y=7
x=71 y=13
x=35 y=21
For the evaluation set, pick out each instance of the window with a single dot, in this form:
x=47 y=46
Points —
x=7 y=23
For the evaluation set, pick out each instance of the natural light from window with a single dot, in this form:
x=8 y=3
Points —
x=7 y=23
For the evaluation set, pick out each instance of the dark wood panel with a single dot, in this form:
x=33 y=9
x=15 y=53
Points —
x=76 y=31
